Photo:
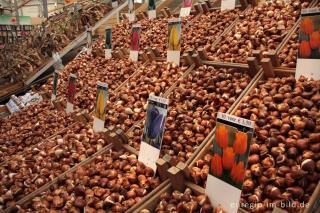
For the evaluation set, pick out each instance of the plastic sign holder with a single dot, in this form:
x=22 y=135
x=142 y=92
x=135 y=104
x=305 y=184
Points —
x=100 y=106
x=174 y=41
x=108 y=42
x=71 y=92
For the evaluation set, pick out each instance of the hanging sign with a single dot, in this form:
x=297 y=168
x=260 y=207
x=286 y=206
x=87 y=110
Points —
x=114 y=3
x=71 y=92
x=108 y=44
x=229 y=159
x=100 y=107
x=131 y=10
x=55 y=85
x=174 y=40
x=153 y=131
x=308 y=62
x=152 y=9
x=228 y=4
x=186 y=8
x=135 y=41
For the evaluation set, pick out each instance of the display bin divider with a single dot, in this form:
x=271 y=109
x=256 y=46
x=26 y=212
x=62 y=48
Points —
x=204 y=7
x=198 y=8
x=273 y=55
x=267 y=67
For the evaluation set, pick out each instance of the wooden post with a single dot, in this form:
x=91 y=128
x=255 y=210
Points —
x=145 y=14
x=191 y=51
x=167 y=11
x=184 y=167
x=124 y=51
x=253 y=66
x=122 y=135
x=267 y=67
x=208 y=3
x=163 y=12
x=156 y=51
x=198 y=8
x=120 y=54
x=244 y=4
x=205 y=7
x=177 y=178
x=162 y=168
x=196 y=59
x=274 y=58
x=258 y=55
x=202 y=53
x=187 y=59
x=112 y=137
x=58 y=105
x=172 y=161
x=151 y=56
x=143 y=56
x=254 y=3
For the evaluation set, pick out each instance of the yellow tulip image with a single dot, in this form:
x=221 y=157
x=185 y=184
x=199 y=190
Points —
x=174 y=43
x=100 y=106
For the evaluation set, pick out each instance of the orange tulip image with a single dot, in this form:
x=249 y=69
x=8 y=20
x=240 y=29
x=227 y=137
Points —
x=240 y=143
x=228 y=158
x=307 y=26
x=315 y=40
x=222 y=136
x=305 y=50
x=216 y=165
x=237 y=172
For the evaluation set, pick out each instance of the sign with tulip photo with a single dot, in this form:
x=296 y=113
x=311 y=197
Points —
x=229 y=159
x=71 y=92
x=135 y=41
x=153 y=131
x=100 y=106
x=308 y=62
x=152 y=9
x=108 y=44
x=55 y=85
x=186 y=8
x=174 y=41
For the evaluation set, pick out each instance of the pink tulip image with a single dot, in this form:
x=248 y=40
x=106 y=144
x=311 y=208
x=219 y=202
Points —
x=186 y=3
x=135 y=41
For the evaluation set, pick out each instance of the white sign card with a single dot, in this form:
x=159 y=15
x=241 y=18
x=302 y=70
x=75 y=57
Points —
x=174 y=41
x=153 y=131
x=228 y=4
x=308 y=62
x=100 y=106
x=55 y=85
x=89 y=40
x=57 y=62
x=152 y=9
x=130 y=14
x=71 y=92
x=114 y=4
x=135 y=41
x=229 y=159
x=108 y=44
x=186 y=8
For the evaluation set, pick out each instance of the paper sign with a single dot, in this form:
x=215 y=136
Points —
x=308 y=62
x=186 y=8
x=174 y=40
x=89 y=41
x=152 y=9
x=228 y=4
x=135 y=41
x=229 y=159
x=114 y=4
x=131 y=10
x=153 y=131
x=57 y=62
x=71 y=92
x=100 y=107
x=55 y=84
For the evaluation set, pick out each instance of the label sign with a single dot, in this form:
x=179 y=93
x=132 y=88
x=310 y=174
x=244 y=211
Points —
x=131 y=10
x=55 y=85
x=174 y=40
x=153 y=131
x=89 y=40
x=100 y=107
x=71 y=92
x=152 y=9
x=114 y=3
x=108 y=44
x=135 y=41
x=308 y=62
x=186 y=8
x=229 y=159
x=228 y=4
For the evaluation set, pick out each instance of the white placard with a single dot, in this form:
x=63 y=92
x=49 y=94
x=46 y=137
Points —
x=185 y=11
x=236 y=120
x=69 y=107
x=228 y=4
x=107 y=53
x=309 y=68
x=131 y=16
x=115 y=4
x=98 y=124
x=173 y=56
x=53 y=97
x=152 y=14
x=153 y=131
x=134 y=55
x=149 y=155
x=229 y=195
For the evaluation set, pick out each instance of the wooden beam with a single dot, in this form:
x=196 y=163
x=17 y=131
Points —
x=267 y=68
